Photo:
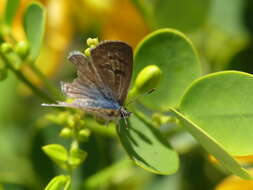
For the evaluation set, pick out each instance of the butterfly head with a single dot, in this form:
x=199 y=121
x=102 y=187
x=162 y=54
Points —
x=124 y=113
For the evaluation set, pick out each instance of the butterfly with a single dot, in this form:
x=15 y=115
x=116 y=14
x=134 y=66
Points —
x=102 y=82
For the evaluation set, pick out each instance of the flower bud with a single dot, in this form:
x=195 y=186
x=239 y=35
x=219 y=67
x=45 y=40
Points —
x=66 y=132
x=160 y=119
x=92 y=42
x=22 y=49
x=71 y=121
x=5 y=47
x=148 y=78
x=87 y=52
x=83 y=134
x=4 y=30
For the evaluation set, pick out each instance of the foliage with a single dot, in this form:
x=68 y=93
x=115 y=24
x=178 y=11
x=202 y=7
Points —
x=190 y=97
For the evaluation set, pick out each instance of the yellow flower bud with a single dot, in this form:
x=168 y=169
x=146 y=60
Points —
x=83 y=134
x=5 y=47
x=66 y=132
x=87 y=52
x=92 y=42
x=22 y=49
x=148 y=79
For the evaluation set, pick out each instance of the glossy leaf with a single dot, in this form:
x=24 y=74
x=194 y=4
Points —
x=59 y=183
x=34 y=25
x=147 y=147
x=57 y=153
x=174 y=54
x=221 y=104
x=10 y=11
x=212 y=146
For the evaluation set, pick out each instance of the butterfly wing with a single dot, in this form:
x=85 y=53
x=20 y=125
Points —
x=113 y=61
x=87 y=89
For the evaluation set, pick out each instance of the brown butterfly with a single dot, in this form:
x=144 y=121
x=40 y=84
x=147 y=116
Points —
x=102 y=80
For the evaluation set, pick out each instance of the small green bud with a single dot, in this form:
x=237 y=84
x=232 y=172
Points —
x=83 y=134
x=160 y=119
x=62 y=118
x=57 y=153
x=91 y=42
x=5 y=47
x=87 y=52
x=22 y=49
x=66 y=132
x=14 y=60
x=148 y=79
x=4 y=30
x=71 y=121
x=77 y=156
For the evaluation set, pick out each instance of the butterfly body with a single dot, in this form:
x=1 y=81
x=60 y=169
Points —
x=102 y=80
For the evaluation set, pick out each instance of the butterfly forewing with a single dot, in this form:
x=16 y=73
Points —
x=113 y=61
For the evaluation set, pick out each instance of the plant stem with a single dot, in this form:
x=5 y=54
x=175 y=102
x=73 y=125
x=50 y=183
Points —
x=42 y=77
x=47 y=83
x=23 y=78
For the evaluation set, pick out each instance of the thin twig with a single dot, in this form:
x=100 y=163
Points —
x=47 y=83
x=23 y=78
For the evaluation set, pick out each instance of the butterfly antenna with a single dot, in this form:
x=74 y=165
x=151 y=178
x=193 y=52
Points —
x=126 y=124
x=137 y=97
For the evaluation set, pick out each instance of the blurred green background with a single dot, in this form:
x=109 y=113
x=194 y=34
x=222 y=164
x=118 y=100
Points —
x=222 y=32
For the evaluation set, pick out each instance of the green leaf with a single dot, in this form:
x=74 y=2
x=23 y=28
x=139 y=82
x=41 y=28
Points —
x=181 y=14
x=221 y=104
x=174 y=54
x=212 y=146
x=77 y=156
x=147 y=147
x=34 y=25
x=59 y=183
x=10 y=11
x=57 y=153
